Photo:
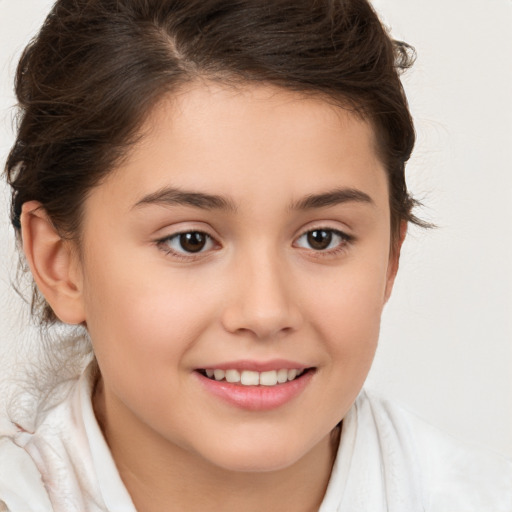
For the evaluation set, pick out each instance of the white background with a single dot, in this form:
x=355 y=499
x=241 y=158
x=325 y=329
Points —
x=446 y=344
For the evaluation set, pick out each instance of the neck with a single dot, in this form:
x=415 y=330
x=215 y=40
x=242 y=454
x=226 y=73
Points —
x=157 y=472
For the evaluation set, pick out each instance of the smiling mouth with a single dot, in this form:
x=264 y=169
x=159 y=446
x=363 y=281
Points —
x=253 y=378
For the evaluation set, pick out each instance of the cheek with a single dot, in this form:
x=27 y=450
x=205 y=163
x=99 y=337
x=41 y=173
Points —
x=348 y=314
x=143 y=327
x=351 y=331
x=143 y=315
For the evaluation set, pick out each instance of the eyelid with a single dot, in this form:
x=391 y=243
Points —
x=162 y=244
x=326 y=226
x=346 y=239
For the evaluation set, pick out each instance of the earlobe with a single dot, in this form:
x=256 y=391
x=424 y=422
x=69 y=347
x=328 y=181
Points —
x=53 y=264
x=394 y=259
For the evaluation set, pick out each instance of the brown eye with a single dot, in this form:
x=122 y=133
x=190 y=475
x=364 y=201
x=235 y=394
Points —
x=188 y=242
x=194 y=241
x=322 y=239
x=319 y=239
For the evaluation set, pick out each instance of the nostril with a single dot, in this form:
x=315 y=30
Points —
x=260 y=324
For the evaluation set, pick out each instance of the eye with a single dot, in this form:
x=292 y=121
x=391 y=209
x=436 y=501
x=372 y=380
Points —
x=322 y=239
x=190 y=242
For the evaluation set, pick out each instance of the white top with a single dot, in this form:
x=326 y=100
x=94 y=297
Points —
x=388 y=460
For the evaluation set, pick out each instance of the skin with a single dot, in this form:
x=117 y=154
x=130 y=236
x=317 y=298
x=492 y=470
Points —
x=258 y=291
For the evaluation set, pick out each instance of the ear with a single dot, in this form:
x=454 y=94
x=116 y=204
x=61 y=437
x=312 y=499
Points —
x=53 y=262
x=394 y=259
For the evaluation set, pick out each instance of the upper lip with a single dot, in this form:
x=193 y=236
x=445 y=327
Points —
x=257 y=366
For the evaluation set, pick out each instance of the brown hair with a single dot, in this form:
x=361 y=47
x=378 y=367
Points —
x=92 y=74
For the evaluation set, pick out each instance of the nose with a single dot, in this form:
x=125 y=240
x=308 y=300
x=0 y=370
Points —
x=262 y=300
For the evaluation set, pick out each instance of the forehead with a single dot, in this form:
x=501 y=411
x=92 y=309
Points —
x=248 y=140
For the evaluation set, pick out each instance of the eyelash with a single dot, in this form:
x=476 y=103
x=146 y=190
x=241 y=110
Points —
x=344 y=240
x=164 y=243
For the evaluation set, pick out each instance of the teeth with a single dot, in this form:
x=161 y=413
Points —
x=292 y=374
x=248 y=378
x=268 y=378
x=282 y=375
x=232 y=375
x=219 y=374
x=251 y=378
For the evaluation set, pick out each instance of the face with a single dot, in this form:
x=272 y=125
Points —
x=247 y=237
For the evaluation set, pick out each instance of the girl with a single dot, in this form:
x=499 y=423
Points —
x=214 y=192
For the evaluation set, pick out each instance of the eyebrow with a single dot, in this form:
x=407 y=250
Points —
x=173 y=196
x=170 y=196
x=332 y=198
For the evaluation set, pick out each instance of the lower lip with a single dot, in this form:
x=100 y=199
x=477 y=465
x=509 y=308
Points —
x=256 y=398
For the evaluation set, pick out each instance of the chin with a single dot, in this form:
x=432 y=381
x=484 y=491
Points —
x=257 y=456
x=262 y=463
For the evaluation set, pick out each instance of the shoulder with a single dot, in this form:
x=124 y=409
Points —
x=37 y=455
x=21 y=486
x=62 y=461
x=453 y=475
